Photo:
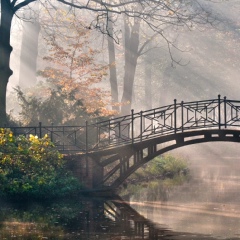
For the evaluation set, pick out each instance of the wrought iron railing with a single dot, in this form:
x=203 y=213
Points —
x=136 y=127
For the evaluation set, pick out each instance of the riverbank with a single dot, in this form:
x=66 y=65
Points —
x=158 y=176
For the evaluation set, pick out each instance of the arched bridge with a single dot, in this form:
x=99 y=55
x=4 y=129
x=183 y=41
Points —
x=119 y=146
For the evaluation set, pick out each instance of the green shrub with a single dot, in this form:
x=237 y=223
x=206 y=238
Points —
x=168 y=166
x=32 y=168
x=157 y=177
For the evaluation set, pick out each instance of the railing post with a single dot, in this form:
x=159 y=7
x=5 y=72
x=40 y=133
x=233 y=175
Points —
x=141 y=127
x=52 y=132
x=225 y=112
x=14 y=131
x=98 y=135
x=196 y=110
x=86 y=156
x=40 y=129
x=119 y=131
x=63 y=143
x=175 y=115
x=182 y=115
x=219 y=111
x=86 y=137
x=109 y=131
x=132 y=135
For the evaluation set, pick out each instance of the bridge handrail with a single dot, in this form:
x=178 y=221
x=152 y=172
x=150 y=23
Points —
x=140 y=126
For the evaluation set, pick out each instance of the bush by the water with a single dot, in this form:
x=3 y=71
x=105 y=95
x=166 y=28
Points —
x=157 y=178
x=32 y=168
x=163 y=167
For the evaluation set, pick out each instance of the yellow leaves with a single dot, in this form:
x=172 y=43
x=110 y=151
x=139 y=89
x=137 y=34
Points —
x=20 y=148
x=33 y=138
x=28 y=163
x=6 y=135
x=2 y=130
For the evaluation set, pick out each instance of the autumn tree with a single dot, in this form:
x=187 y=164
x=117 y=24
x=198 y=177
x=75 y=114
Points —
x=153 y=13
x=70 y=92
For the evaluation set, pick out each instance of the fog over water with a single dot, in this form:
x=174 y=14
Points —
x=209 y=203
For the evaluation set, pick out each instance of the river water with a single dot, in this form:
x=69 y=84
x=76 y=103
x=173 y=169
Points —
x=206 y=207
x=210 y=202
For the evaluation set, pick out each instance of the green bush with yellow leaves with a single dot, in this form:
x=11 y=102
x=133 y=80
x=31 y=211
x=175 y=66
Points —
x=32 y=168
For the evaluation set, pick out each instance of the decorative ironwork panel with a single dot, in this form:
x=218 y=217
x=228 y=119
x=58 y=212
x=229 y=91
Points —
x=137 y=127
x=232 y=113
x=65 y=138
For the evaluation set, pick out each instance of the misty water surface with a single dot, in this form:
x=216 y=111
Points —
x=206 y=207
x=210 y=202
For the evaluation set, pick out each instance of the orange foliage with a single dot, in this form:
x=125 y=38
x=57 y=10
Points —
x=73 y=68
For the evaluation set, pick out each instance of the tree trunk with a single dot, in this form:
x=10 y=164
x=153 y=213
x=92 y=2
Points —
x=148 y=81
x=5 y=52
x=112 y=67
x=131 y=56
x=29 y=54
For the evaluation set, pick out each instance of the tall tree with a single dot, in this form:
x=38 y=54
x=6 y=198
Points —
x=5 y=51
x=131 y=42
x=148 y=60
x=154 y=13
x=112 y=65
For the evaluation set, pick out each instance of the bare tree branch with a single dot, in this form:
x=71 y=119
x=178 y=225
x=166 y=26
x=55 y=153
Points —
x=22 y=4
x=13 y=3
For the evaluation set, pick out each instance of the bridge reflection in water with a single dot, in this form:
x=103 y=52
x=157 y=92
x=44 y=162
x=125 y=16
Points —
x=83 y=219
x=112 y=150
x=86 y=219
x=115 y=219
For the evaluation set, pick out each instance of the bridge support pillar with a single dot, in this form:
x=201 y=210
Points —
x=97 y=173
x=86 y=169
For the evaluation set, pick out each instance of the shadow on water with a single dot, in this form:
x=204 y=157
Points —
x=84 y=218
